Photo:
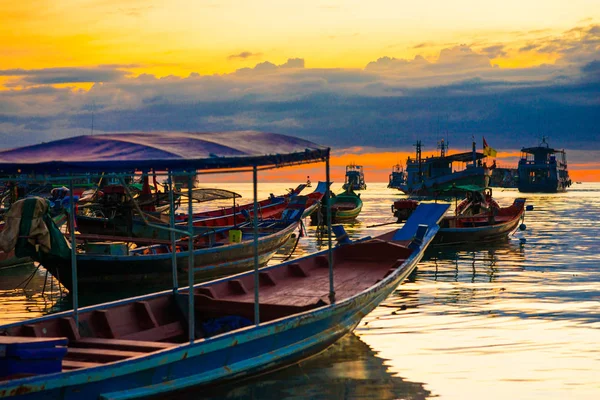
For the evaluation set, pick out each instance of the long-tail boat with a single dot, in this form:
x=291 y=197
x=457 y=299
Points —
x=139 y=347
x=111 y=265
x=477 y=218
x=345 y=207
x=134 y=226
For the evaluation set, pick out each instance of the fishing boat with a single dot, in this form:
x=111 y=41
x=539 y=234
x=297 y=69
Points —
x=428 y=176
x=109 y=264
x=209 y=333
x=477 y=218
x=345 y=207
x=124 y=223
x=355 y=178
x=543 y=169
x=138 y=347
x=397 y=177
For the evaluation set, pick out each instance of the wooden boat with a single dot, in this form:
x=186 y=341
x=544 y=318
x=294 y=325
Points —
x=345 y=207
x=110 y=265
x=478 y=218
x=124 y=223
x=140 y=347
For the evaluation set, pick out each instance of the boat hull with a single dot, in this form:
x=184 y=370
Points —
x=154 y=271
x=485 y=232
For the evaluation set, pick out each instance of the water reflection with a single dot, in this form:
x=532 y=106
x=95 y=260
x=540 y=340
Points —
x=349 y=369
x=27 y=291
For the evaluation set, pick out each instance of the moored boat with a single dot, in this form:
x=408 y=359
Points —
x=167 y=341
x=355 y=178
x=345 y=207
x=429 y=176
x=543 y=169
x=478 y=218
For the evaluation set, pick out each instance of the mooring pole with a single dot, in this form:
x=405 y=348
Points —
x=329 y=244
x=74 y=291
x=255 y=218
x=172 y=226
x=191 y=319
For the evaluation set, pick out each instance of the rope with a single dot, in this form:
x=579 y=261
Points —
x=297 y=241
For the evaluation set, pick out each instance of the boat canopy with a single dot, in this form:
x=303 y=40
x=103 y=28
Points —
x=464 y=157
x=161 y=151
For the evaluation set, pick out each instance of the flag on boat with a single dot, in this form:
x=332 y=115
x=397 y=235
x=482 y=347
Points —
x=487 y=150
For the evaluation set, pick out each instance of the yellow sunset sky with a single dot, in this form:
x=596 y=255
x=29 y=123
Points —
x=207 y=37
x=43 y=43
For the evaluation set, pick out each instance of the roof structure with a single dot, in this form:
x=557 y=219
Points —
x=177 y=151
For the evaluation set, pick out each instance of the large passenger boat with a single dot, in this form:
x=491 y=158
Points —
x=428 y=176
x=543 y=169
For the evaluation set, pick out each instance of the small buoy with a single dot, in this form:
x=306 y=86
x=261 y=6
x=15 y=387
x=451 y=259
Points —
x=522 y=227
x=529 y=207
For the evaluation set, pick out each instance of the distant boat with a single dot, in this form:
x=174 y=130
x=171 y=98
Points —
x=543 y=169
x=431 y=175
x=397 y=177
x=355 y=178
x=345 y=207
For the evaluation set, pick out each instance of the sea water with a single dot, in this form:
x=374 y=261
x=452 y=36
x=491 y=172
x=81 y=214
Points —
x=518 y=319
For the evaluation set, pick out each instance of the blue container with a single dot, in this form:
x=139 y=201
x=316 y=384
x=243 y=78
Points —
x=31 y=357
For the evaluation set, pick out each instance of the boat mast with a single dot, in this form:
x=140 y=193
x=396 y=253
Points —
x=442 y=146
x=418 y=146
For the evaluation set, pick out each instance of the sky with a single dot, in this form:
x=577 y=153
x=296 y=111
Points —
x=366 y=78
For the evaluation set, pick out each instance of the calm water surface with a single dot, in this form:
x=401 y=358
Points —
x=518 y=319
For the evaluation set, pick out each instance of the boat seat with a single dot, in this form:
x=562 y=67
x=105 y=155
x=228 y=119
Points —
x=160 y=333
x=209 y=307
x=100 y=355
x=120 y=344
x=68 y=365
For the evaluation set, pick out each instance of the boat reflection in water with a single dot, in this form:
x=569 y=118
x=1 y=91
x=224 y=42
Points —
x=349 y=369
x=476 y=262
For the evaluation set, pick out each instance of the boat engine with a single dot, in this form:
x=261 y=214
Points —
x=402 y=209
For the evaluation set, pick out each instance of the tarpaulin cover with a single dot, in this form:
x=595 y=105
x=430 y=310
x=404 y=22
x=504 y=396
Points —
x=203 y=194
x=123 y=152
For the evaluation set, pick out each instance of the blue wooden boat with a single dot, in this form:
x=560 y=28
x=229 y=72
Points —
x=543 y=169
x=139 y=347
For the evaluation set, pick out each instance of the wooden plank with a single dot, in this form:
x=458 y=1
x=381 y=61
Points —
x=72 y=364
x=120 y=344
x=99 y=355
x=163 y=332
x=57 y=341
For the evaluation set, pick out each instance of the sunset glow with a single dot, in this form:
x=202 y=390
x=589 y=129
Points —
x=347 y=74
